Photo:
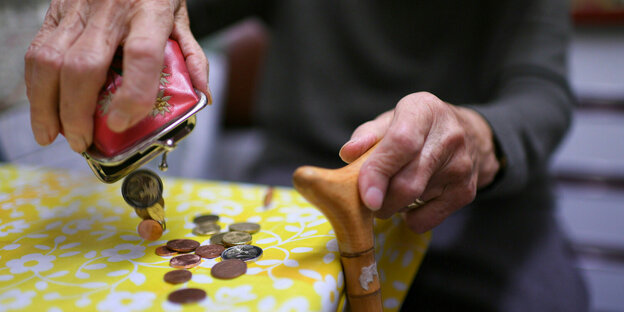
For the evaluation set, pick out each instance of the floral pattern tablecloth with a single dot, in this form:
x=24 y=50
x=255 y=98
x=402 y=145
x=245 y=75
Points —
x=69 y=243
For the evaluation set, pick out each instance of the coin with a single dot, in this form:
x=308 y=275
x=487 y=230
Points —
x=228 y=269
x=248 y=227
x=163 y=251
x=242 y=252
x=236 y=238
x=177 y=276
x=209 y=251
x=157 y=212
x=142 y=213
x=206 y=218
x=182 y=245
x=142 y=188
x=187 y=295
x=217 y=239
x=185 y=261
x=150 y=230
x=206 y=229
x=268 y=197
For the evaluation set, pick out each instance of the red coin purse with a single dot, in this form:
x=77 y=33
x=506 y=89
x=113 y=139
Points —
x=114 y=155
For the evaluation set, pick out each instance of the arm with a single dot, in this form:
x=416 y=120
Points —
x=442 y=154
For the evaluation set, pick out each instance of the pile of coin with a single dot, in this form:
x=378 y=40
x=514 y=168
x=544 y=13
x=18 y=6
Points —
x=142 y=190
x=233 y=247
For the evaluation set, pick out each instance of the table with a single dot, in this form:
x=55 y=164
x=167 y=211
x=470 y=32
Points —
x=69 y=242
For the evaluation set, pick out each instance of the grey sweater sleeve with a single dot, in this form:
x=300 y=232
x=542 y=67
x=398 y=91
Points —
x=532 y=106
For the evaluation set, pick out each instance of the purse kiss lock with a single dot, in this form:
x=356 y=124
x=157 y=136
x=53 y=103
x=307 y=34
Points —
x=113 y=155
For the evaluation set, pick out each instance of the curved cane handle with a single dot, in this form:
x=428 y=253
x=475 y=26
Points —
x=335 y=194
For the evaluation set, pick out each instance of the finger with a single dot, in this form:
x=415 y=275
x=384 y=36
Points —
x=402 y=142
x=44 y=64
x=196 y=61
x=365 y=136
x=84 y=73
x=423 y=178
x=432 y=213
x=142 y=63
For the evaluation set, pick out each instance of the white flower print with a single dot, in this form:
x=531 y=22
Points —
x=297 y=214
x=16 y=226
x=15 y=299
x=77 y=225
x=226 y=298
x=124 y=252
x=329 y=291
x=120 y=301
x=24 y=264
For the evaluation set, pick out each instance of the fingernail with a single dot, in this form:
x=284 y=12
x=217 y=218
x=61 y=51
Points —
x=41 y=135
x=77 y=143
x=348 y=143
x=118 y=121
x=373 y=198
x=209 y=95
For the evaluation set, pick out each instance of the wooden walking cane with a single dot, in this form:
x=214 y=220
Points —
x=335 y=193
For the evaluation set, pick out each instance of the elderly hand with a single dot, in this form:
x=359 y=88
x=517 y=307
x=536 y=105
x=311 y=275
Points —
x=428 y=150
x=67 y=62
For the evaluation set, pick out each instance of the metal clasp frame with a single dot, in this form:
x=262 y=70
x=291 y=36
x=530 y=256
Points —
x=164 y=140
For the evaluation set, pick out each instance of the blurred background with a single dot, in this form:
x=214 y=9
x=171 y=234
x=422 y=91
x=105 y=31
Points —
x=589 y=166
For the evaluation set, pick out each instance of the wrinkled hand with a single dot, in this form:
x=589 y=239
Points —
x=427 y=149
x=67 y=62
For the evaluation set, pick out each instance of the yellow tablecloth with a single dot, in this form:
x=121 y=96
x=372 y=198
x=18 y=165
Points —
x=69 y=242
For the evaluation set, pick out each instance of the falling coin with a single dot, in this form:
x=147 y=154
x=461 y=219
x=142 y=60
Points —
x=150 y=230
x=209 y=251
x=185 y=261
x=187 y=295
x=157 y=212
x=242 y=252
x=142 y=189
x=268 y=198
x=163 y=251
x=206 y=229
x=142 y=213
x=206 y=219
x=177 y=276
x=248 y=227
x=182 y=245
x=217 y=239
x=229 y=269
x=236 y=238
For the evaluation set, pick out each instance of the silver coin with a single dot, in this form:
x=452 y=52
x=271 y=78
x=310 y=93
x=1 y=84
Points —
x=142 y=189
x=206 y=229
x=242 y=252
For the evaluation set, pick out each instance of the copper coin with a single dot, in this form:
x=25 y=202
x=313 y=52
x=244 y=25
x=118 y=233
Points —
x=178 y=276
x=185 y=261
x=163 y=251
x=217 y=239
x=142 y=188
x=187 y=295
x=182 y=245
x=206 y=219
x=209 y=251
x=150 y=230
x=228 y=269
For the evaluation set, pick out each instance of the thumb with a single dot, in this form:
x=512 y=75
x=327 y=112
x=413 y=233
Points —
x=382 y=164
x=365 y=136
